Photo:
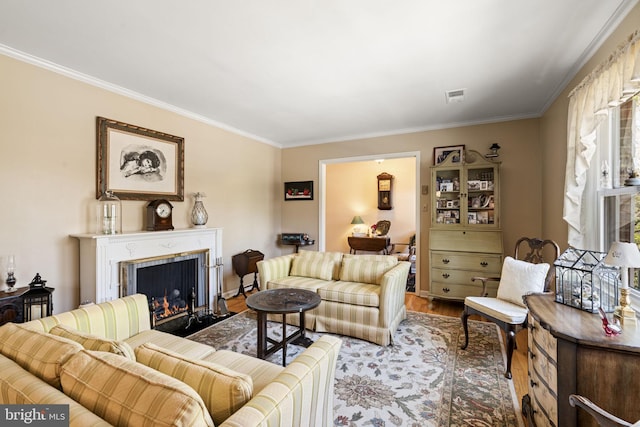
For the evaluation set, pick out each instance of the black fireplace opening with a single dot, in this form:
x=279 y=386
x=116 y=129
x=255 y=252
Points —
x=175 y=286
x=179 y=282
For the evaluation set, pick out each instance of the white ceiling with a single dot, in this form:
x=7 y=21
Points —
x=296 y=72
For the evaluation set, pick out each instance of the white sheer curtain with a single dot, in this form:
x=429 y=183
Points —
x=610 y=84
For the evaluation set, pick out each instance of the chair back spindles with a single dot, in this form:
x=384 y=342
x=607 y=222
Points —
x=536 y=249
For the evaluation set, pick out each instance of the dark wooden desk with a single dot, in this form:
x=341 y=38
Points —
x=370 y=244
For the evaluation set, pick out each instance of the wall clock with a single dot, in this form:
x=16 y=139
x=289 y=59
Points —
x=159 y=215
x=385 y=184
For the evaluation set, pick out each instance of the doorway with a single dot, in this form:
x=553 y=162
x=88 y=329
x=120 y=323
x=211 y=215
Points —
x=348 y=188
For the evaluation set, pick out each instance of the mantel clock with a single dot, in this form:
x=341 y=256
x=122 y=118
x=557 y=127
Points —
x=159 y=215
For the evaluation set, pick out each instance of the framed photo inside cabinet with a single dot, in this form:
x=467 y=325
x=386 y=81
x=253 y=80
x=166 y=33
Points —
x=446 y=186
x=440 y=154
x=298 y=190
x=474 y=185
x=137 y=163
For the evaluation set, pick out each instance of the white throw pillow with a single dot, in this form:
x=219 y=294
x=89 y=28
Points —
x=520 y=278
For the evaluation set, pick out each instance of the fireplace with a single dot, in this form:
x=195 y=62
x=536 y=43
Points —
x=103 y=256
x=175 y=285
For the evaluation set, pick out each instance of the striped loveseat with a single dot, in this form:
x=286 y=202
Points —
x=362 y=295
x=111 y=368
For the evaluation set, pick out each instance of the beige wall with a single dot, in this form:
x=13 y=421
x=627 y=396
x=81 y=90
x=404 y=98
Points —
x=553 y=134
x=351 y=189
x=48 y=176
x=521 y=174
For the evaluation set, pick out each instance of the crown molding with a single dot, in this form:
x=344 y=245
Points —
x=93 y=81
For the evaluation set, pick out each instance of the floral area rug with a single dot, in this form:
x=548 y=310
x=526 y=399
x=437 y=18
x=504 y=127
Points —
x=424 y=379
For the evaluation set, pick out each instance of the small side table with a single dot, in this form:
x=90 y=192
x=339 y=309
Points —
x=11 y=305
x=247 y=263
x=372 y=244
x=298 y=244
x=281 y=301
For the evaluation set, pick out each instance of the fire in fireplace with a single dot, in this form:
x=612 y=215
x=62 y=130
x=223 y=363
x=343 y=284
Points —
x=169 y=305
x=175 y=285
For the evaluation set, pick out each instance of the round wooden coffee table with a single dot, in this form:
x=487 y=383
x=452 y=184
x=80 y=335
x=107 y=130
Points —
x=281 y=301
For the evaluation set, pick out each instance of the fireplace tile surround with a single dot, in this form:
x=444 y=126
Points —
x=101 y=256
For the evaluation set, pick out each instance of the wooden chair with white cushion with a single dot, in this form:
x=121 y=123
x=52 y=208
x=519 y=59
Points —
x=520 y=276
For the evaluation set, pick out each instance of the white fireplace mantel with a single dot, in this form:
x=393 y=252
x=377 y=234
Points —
x=100 y=255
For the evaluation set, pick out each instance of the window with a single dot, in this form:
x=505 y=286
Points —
x=618 y=183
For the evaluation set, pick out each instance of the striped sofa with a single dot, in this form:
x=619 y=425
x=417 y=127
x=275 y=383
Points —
x=111 y=368
x=362 y=295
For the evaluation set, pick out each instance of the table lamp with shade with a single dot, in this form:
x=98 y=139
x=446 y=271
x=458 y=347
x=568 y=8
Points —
x=357 y=222
x=626 y=256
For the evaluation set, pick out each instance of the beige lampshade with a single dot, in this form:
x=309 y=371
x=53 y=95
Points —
x=623 y=254
x=357 y=220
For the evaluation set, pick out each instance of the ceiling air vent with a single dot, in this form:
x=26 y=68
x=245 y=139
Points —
x=454 y=95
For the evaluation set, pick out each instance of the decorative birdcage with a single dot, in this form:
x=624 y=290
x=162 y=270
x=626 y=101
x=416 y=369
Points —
x=585 y=282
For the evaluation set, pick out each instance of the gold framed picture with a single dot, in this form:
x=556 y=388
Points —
x=136 y=163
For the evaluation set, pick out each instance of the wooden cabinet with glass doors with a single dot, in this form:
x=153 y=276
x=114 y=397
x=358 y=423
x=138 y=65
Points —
x=465 y=239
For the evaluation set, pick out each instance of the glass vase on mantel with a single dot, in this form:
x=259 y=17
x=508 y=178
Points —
x=199 y=216
x=109 y=214
x=11 y=269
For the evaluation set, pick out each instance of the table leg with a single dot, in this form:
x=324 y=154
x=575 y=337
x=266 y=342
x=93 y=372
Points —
x=241 y=290
x=262 y=334
x=303 y=340
x=303 y=328
x=284 y=339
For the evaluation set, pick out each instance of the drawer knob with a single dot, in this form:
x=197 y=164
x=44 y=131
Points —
x=533 y=356
x=533 y=383
x=446 y=290
x=445 y=275
x=445 y=261
x=484 y=263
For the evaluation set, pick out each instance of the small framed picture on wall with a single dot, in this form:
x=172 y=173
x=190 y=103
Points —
x=298 y=190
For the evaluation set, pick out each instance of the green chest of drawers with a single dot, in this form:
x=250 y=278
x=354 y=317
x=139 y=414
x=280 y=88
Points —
x=456 y=256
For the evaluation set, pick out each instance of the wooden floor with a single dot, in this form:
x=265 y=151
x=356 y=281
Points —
x=453 y=309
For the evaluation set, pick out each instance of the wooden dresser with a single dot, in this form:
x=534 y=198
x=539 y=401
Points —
x=569 y=353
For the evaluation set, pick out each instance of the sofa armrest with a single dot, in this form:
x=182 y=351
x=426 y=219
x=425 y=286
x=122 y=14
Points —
x=118 y=319
x=392 y=292
x=274 y=268
x=301 y=395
